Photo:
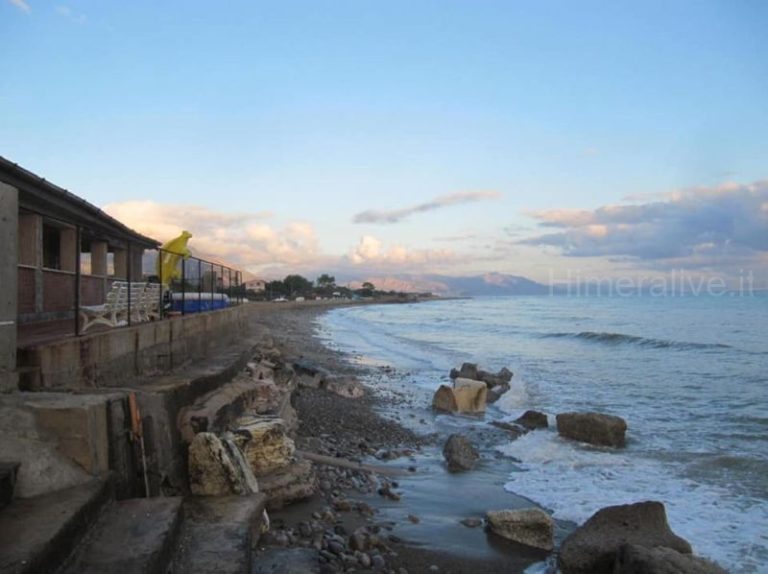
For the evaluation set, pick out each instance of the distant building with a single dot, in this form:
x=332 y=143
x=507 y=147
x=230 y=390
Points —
x=257 y=285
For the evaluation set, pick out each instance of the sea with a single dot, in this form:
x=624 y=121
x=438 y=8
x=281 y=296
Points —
x=689 y=374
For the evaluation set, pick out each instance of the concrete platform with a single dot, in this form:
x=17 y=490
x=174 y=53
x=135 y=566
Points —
x=218 y=533
x=37 y=534
x=132 y=537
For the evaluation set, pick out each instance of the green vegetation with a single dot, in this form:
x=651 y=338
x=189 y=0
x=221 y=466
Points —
x=324 y=287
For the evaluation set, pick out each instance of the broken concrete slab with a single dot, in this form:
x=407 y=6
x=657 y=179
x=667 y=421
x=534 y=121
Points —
x=37 y=534
x=136 y=535
x=217 y=534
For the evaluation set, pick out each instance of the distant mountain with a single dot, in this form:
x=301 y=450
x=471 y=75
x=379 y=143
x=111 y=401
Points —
x=477 y=285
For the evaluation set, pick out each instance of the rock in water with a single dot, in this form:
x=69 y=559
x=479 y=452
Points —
x=214 y=470
x=592 y=548
x=633 y=559
x=264 y=443
x=494 y=393
x=533 y=420
x=593 y=428
x=470 y=395
x=467 y=371
x=532 y=527
x=444 y=400
x=459 y=453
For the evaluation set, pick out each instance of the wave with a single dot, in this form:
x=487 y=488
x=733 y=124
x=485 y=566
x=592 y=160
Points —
x=622 y=339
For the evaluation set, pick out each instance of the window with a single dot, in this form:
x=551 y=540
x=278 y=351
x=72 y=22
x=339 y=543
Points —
x=51 y=247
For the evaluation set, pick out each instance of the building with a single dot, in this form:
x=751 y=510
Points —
x=59 y=253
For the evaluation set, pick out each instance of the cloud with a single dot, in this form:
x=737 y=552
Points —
x=702 y=226
x=70 y=14
x=21 y=5
x=396 y=215
x=371 y=251
x=245 y=240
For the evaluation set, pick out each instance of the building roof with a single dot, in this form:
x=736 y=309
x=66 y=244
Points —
x=41 y=196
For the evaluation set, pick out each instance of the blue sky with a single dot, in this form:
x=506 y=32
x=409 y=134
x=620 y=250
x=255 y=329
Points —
x=305 y=114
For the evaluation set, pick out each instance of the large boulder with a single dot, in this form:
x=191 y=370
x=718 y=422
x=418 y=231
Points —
x=444 y=400
x=216 y=468
x=531 y=527
x=494 y=380
x=459 y=453
x=470 y=395
x=467 y=371
x=593 y=428
x=264 y=442
x=292 y=483
x=348 y=387
x=533 y=420
x=494 y=393
x=634 y=559
x=592 y=548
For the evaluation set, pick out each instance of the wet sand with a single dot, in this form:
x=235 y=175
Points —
x=393 y=427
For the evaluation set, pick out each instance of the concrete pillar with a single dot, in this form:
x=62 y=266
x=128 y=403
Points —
x=9 y=219
x=121 y=264
x=68 y=249
x=98 y=258
x=137 y=253
x=30 y=239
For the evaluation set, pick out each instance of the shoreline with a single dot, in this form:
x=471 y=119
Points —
x=421 y=522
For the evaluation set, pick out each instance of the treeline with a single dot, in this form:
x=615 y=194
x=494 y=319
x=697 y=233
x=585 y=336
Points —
x=293 y=286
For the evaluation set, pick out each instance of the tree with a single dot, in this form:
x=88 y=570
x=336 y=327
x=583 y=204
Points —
x=367 y=289
x=297 y=285
x=325 y=281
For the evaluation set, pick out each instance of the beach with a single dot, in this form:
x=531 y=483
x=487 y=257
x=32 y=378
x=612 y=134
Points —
x=421 y=523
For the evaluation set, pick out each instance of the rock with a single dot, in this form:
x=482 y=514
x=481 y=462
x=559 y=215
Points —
x=459 y=453
x=533 y=420
x=348 y=387
x=444 y=400
x=470 y=395
x=592 y=548
x=214 y=469
x=292 y=483
x=531 y=527
x=471 y=522
x=501 y=378
x=494 y=393
x=264 y=443
x=467 y=371
x=592 y=428
x=514 y=429
x=633 y=559
x=286 y=561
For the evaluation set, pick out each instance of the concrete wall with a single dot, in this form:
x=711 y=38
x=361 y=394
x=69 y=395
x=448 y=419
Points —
x=9 y=217
x=117 y=357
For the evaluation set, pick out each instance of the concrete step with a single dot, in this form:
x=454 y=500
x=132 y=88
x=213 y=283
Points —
x=217 y=534
x=133 y=536
x=8 y=472
x=37 y=534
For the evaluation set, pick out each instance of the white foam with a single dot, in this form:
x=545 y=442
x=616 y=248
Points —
x=575 y=481
x=516 y=397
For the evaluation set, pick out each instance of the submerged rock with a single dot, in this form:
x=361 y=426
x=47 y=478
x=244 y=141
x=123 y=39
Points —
x=531 y=527
x=494 y=393
x=592 y=548
x=533 y=420
x=634 y=559
x=459 y=453
x=593 y=428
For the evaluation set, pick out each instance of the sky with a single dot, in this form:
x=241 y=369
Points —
x=372 y=138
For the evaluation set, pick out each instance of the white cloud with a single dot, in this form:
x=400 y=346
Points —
x=243 y=239
x=371 y=251
x=21 y=5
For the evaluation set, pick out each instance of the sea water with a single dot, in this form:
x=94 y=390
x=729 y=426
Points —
x=689 y=374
